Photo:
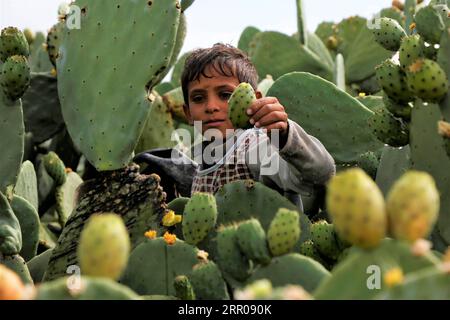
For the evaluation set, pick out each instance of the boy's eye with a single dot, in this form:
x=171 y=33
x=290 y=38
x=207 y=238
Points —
x=225 y=95
x=197 y=98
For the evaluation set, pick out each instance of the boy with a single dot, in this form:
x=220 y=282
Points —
x=298 y=165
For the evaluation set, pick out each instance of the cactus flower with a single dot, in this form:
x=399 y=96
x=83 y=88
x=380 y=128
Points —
x=393 y=277
x=151 y=234
x=170 y=238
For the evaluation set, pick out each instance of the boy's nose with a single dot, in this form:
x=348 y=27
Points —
x=212 y=107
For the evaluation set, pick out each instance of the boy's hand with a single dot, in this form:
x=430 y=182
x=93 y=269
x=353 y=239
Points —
x=269 y=114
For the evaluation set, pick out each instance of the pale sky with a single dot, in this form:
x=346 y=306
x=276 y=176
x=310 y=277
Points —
x=211 y=21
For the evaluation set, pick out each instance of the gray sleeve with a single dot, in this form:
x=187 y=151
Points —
x=301 y=166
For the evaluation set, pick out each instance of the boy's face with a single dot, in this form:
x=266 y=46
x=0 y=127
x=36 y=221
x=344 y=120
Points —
x=208 y=100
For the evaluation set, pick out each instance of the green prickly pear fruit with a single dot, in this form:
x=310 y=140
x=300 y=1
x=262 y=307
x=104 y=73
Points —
x=388 y=129
x=252 y=240
x=54 y=38
x=356 y=206
x=400 y=110
x=324 y=239
x=208 y=282
x=444 y=131
x=13 y=42
x=308 y=249
x=15 y=77
x=393 y=81
x=369 y=162
x=412 y=205
x=104 y=246
x=427 y=80
x=411 y=49
x=183 y=288
x=29 y=35
x=284 y=231
x=231 y=258
x=389 y=34
x=429 y=24
x=241 y=99
x=199 y=217
x=55 y=168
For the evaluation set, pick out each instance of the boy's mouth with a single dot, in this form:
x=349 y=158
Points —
x=213 y=123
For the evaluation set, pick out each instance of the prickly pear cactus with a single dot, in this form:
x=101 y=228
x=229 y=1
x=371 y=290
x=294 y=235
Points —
x=13 y=42
x=208 y=282
x=15 y=77
x=199 y=217
x=84 y=288
x=363 y=273
x=389 y=34
x=389 y=129
x=137 y=198
x=324 y=239
x=411 y=49
x=155 y=276
x=183 y=288
x=357 y=208
x=29 y=226
x=393 y=81
x=105 y=121
x=284 y=231
x=252 y=241
x=55 y=168
x=292 y=268
x=427 y=80
x=104 y=246
x=412 y=206
x=241 y=99
x=230 y=257
x=10 y=233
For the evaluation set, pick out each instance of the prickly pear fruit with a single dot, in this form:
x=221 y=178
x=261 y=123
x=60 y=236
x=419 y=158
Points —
x=393 y=81
x=199 y=217
x=252 y=240
x=104 y=246
x=369 y=162
x=427 y=80
x=389 y=34
x=54 y=38
x=388 y=129
x=444 y=131
x=183 y=288
x=15 y=77
x=55 y=168
x=308 y=249
x=208 y=282
x=429 y=24
x=239 y=102
x=324 y=239
x=11 y=286
x=284 y=231
x=13 y=42
x=29 y=35
x=356 y=206
x=411 y=49
x=412 y=205
x=231 y=258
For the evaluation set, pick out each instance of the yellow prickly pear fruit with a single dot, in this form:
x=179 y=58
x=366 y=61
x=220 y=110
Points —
x=356 y=206
x=412 y=206
x=11 y=287
x=104 y=246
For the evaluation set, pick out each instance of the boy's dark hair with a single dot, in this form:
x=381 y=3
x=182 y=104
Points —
x=225 y=59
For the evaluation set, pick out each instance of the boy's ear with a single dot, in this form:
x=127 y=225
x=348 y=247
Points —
x=187 y=113
x=258 y=94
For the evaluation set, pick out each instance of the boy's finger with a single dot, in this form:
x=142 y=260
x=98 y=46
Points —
x=272 y=117
x=280 y=125
x=265 y=110
x=257 y=104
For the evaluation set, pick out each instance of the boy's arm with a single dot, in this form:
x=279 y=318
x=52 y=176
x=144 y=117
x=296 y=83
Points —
x=302 y=165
